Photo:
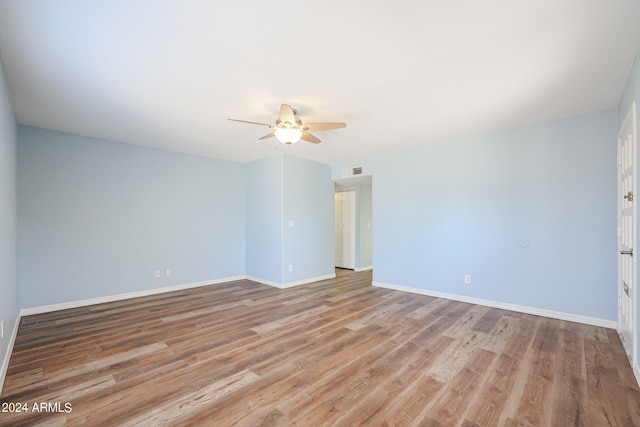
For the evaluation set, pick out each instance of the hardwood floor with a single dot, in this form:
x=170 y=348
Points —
x=337 y=352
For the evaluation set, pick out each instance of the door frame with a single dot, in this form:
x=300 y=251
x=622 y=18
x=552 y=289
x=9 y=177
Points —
x=353 y=235
x=629 y=123
x=357 y=183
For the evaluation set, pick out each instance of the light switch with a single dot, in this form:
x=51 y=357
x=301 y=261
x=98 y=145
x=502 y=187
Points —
x=291 y=223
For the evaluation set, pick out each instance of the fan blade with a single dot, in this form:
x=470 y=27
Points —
x=324 y=126
x=251 y=123
x=286 y=114
x=308 y=137
x=269 y=135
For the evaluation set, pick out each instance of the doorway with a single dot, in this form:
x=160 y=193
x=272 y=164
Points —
x=345 y=233
x=354 y=237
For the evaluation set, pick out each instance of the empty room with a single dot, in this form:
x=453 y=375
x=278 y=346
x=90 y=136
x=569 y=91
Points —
x=415 y=213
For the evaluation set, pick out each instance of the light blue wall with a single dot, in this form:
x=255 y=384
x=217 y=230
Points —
x=9 y=305
x=308 y=201
x=466 y=207
x=282 y=188
x=264 y=219
x=97 y=218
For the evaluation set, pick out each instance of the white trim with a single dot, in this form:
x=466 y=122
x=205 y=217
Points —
x=365 y=268
x=110 y=298
x=264 y=281
x=7 y=356
x=632 y=348
x=291 y=284
x=503 y=305
x=282 y=219
x=309 y=280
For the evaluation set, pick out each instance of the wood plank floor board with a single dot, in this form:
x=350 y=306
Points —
x=337 y=352
x=487 y=409
x=452 y=403
x=407 y=406
x=609 y=385
x=333 y=379
x=379 y=372
x=570 y=384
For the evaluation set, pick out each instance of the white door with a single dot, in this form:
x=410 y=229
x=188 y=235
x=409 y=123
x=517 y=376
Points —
x=626 y=232
x=345 y=235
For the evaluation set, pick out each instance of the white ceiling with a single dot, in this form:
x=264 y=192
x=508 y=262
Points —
x=168 y=73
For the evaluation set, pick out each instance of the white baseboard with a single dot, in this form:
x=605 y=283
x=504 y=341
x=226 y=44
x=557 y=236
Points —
x=359 y=269
x=7 y=356
x=129 y=295
x=110 y=298
x=503 y=305
x=264 y=281
x=291 y=284
x=309 y=280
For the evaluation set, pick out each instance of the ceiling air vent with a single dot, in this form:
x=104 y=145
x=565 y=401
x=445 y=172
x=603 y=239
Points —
x=347 y=172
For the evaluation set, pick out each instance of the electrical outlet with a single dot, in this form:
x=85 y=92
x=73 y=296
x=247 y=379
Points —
x=168 y=272
x=157 y=274
x=290 y=267
x=467 y=279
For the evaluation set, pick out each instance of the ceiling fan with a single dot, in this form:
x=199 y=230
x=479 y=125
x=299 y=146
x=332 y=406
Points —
x=289 y=128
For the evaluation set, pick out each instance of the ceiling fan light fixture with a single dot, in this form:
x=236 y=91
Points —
x=288 y=135
x=289 y=128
